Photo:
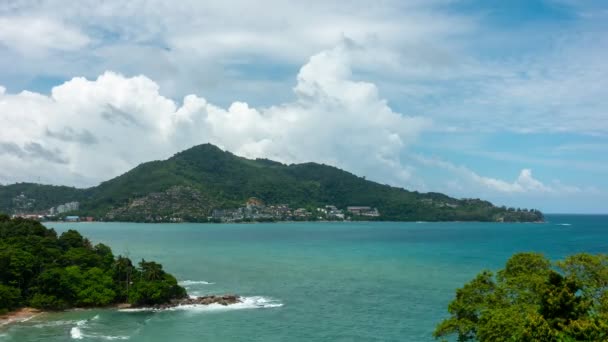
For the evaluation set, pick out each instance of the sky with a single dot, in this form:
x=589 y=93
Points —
x=501 y=100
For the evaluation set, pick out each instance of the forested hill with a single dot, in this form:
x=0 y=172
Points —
x=193 y=183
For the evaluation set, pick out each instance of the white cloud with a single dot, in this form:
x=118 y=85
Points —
x=458 y=68
x=450 y=65
x=561 y=90
x=202 y=46
x=468 y=183
x=87 y=131
x=36 y=35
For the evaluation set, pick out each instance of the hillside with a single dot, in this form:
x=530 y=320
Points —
x=192 y=183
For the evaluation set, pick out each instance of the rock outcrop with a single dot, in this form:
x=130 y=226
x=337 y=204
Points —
x=225 y=300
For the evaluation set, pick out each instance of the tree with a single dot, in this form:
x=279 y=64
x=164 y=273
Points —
x=96 y=289
x=10 y=298
x=71 y=239
x=533 y=300
x=150 y=270
x=154 y=286
x=39 y=269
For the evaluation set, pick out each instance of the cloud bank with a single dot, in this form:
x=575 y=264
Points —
x=87 y=131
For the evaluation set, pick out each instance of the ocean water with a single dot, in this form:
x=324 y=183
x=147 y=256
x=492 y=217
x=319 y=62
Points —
x=308 y=281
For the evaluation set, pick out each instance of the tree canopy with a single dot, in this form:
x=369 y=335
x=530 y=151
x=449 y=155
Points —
x=46 y=271
x=532 y=299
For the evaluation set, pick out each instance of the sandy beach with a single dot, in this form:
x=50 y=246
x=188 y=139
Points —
x=20 y=315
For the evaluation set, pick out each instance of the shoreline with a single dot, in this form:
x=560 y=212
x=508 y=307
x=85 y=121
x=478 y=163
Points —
x=19 y=315
x=27 y=313
x=316 y=221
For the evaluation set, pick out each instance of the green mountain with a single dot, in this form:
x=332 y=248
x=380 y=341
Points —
x=192 y=183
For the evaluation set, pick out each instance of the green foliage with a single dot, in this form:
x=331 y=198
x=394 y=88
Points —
x=156 y=286
x=10 y=298
x=192 y=183
x=47 y=302
x=39 y=269
x=533 y=300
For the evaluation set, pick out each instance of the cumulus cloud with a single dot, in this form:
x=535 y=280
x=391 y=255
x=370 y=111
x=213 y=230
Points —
x=87 y=131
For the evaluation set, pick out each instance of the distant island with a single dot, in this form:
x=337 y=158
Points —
x=41 y=270
x=206 y=184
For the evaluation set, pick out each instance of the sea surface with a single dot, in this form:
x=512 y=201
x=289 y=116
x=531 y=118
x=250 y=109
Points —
x=308 y=281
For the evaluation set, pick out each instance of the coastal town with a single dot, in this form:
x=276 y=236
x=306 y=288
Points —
x=253 y=210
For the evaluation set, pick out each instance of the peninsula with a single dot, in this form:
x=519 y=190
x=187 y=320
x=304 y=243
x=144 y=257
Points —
x=44 y=271
x=206 y=184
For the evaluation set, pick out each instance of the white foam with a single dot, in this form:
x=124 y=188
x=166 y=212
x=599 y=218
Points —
x=563 y=224
x=52 y=324
x=194 y=282
x=112 y=338
x=253 y=302
x=75 y=333
x=27 y=318
x=139 y=310
x=8 y=321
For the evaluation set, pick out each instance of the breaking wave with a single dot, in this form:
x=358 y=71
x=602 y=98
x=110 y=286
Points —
x=194 y=282
x=52 y=324
x=111 y=338
x=563 y=224
x=253 y=302
x=77 y=334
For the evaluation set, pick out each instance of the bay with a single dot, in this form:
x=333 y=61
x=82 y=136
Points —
x=364 y=281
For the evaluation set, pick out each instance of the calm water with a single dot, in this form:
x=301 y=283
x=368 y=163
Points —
x=309 y=281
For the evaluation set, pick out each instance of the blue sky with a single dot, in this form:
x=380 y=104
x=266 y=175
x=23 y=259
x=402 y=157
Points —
x=503 y=100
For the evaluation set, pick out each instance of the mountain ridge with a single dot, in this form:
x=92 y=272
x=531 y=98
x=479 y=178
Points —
x=215 y=179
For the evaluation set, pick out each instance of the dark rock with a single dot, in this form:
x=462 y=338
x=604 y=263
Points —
x=227 y=299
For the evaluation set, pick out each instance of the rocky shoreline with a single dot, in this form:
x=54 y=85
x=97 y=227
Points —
x=225 y=300
x=27 y=313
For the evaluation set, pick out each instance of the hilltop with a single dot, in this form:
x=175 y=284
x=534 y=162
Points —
x=193 y=183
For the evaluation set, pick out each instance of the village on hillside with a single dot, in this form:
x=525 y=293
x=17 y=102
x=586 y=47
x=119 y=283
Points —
x=253 y=210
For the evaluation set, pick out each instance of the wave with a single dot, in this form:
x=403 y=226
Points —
x=194 y=282
x=75 y=333
x=111 y=338
x=563 y=224
x=253 y=302
x=52 y=324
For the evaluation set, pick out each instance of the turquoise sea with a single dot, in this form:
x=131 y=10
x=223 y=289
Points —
x=309 y=281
